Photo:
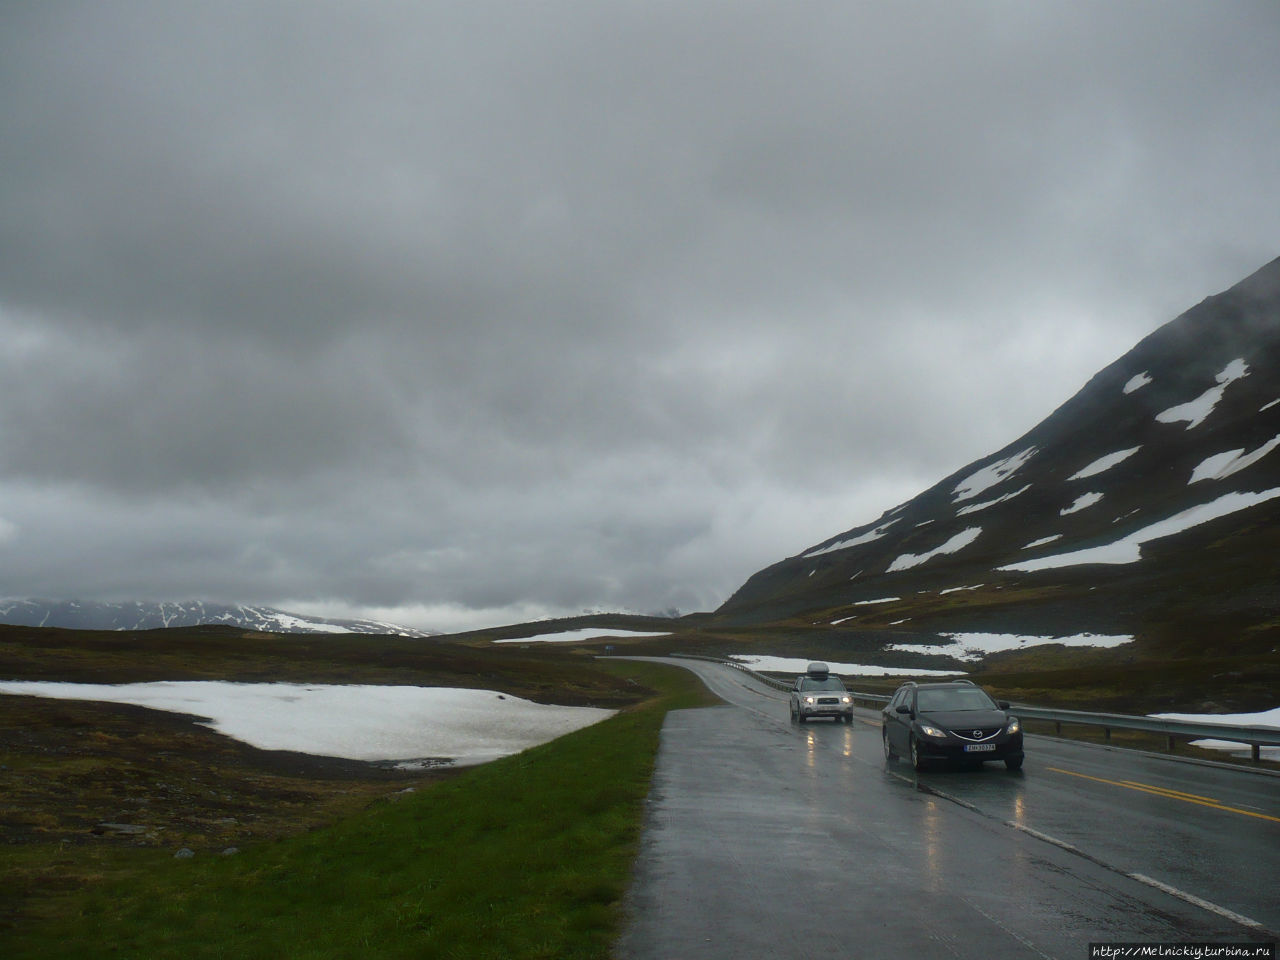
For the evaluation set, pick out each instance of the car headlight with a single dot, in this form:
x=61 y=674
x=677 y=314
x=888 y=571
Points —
x=929 y=730
x=846 y=699
x=1014 y=726
x=810 y=699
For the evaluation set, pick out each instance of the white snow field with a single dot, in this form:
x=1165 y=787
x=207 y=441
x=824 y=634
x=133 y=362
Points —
x=1082 y=502
x=1196 y=411
x=1129 y=549
x=867 y=537
x=792 y=665
x=1103 y=464
x=1137 y=382
x=1267 y=718
x=974 y=646
x=576 y=636
x=955 y=544
x=358 y=722
x=975 y=507
x=1222 y=465
x=990 y=475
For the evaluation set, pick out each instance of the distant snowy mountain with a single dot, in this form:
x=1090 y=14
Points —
x=1148 y=504
x=152 y=616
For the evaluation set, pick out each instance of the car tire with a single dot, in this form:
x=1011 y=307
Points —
x=848 y=718
x=1012 y=764
x=916 y=762
x=799 y=717
x=889 y=753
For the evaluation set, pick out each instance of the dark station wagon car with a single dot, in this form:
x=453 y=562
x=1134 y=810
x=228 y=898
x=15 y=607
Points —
x=955 y=721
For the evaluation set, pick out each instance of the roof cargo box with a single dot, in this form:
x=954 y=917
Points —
x=817 y=670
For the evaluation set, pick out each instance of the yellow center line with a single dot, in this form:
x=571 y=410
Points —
x=1170 y=794
x=1176 y=794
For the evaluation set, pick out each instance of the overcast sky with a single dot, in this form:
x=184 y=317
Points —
x=462 y=314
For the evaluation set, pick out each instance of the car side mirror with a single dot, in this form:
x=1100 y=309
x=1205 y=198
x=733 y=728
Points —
x=904 y=709
x=1003 y=704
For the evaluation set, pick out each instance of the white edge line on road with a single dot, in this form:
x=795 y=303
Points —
x=1199 y=902
x=1172 y=891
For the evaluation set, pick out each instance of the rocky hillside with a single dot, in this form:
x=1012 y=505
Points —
x=1147 y=505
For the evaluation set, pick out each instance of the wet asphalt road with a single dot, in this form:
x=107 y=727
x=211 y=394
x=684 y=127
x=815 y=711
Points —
x=768 y=839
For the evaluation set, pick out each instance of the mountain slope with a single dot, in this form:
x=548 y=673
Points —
x=1148 y=504
x=152 y=616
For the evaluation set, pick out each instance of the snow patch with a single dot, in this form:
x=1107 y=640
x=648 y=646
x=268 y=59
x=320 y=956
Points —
x=990 y=475
x=1196 y=411
x=1129 y=549
x=1267 y=718
x=956 y=543
x=1083 y=502
x=792 y=665
x=974 y=646
x=867 y=537
x=1268 y=406
x=359 y=722
x=1104 y=463
x=1222 y=465
x=1042 y=541
x=864 y=603
x=943 y=593
x=974 y=508
x=1137 y=383
x=576 y=636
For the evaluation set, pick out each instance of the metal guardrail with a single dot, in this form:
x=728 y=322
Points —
x=1254 y=735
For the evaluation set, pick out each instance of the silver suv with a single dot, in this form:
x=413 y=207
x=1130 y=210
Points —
x=818 y=693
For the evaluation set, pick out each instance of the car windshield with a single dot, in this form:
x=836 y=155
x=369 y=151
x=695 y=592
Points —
x=959 y=698
x=826 y=683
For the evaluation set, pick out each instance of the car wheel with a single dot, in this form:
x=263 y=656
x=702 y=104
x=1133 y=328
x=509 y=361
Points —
x=799 y=717
x=1013 y=764
x=848 y=718
x=889 y=753
x=915 y=755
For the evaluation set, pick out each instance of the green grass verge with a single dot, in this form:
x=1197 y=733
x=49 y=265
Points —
x=525 y=857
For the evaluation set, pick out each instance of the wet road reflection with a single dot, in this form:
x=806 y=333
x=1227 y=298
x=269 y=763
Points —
x=1072 y=811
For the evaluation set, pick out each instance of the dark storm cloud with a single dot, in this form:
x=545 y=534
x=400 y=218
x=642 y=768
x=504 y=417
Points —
x=504 y=306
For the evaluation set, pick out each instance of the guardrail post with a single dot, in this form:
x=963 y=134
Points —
x=1255 y=752
x=1172 y=743
x=1057 y=727
x=1106 y=734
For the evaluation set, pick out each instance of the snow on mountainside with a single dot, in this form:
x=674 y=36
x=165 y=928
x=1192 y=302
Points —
x=152 y=616
x=1155 y=488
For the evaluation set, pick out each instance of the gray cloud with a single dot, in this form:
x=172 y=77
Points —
x=510 y=307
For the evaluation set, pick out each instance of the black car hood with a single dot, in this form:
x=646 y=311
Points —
x=966 y=719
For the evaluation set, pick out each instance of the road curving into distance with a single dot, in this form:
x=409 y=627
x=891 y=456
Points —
x=773 y=840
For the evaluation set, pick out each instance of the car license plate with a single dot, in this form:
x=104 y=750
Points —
x=978 y=747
